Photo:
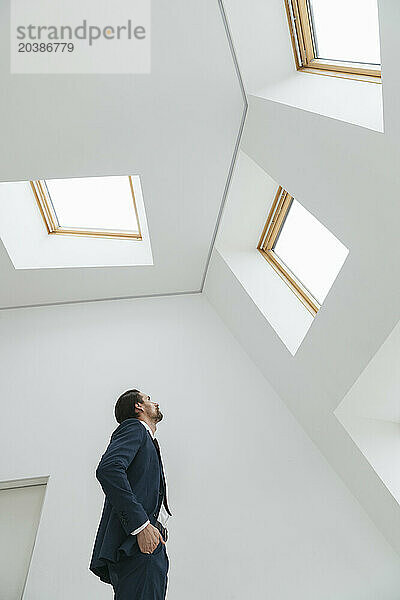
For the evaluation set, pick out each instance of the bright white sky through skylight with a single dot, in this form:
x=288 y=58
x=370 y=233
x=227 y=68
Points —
x=310 y=251
x=347 y=30
x=94 y=203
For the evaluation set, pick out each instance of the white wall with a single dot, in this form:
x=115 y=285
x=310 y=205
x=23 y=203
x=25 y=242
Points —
x=20 y=508
x=258 y=513
x=370 y=412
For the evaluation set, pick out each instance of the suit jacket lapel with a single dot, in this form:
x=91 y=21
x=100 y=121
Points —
x=165 y=501
x=159 y=458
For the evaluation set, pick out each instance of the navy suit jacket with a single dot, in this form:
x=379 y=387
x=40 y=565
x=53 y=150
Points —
x=132 y=478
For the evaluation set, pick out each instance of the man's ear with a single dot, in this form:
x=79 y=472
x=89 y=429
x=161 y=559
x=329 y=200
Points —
x=138 y=406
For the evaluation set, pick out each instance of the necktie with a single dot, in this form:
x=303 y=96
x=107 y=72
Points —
x=157 y=445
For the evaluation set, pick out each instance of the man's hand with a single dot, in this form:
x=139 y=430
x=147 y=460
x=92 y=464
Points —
x=148 y=539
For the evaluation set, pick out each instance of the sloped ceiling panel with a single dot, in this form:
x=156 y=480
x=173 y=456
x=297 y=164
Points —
x=177 y=128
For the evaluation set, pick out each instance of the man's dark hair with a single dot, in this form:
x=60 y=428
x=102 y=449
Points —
x=125 y=406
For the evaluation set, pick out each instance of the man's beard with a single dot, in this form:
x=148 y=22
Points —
x=159 y=416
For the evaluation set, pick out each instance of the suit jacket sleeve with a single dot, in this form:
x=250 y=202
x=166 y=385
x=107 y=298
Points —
x=111 y=473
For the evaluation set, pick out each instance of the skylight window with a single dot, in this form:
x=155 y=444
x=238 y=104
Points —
x=302 y=250
x=89 y=206
x=338 y=37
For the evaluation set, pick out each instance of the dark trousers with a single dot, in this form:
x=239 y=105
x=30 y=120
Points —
x=141 y=576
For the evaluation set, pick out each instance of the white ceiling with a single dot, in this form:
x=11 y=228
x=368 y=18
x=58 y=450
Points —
x=177 y=127
x=348 y=177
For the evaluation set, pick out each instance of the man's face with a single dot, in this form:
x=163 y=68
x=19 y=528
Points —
x=150 y=408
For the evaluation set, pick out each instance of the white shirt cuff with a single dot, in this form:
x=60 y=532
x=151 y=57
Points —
x=140 y=528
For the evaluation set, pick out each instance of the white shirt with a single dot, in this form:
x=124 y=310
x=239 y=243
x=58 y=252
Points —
x=163 y=516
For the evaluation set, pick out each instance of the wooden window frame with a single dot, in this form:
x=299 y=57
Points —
x=50 y=219
x=275 y=221
x=302 y=35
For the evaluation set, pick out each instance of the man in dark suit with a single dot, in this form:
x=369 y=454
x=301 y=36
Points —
x=129 y=550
